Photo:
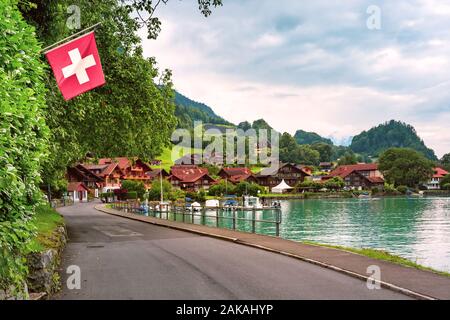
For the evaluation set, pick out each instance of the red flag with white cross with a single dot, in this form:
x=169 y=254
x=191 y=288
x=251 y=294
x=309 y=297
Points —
x=76 y=66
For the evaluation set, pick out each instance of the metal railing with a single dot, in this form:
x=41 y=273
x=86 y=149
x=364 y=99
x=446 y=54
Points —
x=185 y=213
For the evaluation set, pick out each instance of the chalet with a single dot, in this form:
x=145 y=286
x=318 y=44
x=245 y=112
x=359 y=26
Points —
x=435 y=182
x=190 y=177
x=77 y=191
x=291 y=174
x=238 y=174
x=360 y=176
x=326 y=166
x=89 y=179
x=110 y=174
x=113 y=171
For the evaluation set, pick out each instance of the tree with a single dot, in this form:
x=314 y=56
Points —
x=222 y=188
x=154 y=193
x=445 y=182
x=246 y=188
x=23 y=141
x=325 y=150
x=132 y=115
x=403 y=166
x=153 y=24
x=348 y=159
x=336 y=183
x=134 y=186
x=445 y=161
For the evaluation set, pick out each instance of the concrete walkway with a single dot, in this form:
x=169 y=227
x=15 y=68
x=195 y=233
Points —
x=413 y=282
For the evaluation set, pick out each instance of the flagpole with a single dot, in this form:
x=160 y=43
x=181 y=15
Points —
x=93 y=27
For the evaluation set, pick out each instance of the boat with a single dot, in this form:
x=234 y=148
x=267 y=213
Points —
x=252 y=203
x=196 y=207
x=213 y=203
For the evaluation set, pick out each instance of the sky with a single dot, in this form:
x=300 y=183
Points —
x=314 y=65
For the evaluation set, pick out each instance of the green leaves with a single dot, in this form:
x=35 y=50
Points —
x=402 y=166
x=23 y=139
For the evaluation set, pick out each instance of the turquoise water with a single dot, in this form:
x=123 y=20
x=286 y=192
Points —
x=414 y=228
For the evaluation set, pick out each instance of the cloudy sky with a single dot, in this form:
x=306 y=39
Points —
x=314 y=65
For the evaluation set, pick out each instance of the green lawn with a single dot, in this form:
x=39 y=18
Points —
x=166 y=156
x=381 y=255
x=46 y=221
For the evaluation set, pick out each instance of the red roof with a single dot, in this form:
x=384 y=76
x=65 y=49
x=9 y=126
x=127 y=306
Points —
x=76 y=186
x=439 y=173
x=188 y=173
x=345 y=170
x=237 y=174
x=123 y=162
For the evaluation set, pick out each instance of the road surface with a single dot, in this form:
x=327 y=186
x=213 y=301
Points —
x=126 y=259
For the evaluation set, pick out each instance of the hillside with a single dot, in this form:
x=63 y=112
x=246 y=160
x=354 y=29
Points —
x=187 y=111
x=392 y=134
x=304 y=137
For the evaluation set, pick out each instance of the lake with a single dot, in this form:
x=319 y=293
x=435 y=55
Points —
x=414 y=228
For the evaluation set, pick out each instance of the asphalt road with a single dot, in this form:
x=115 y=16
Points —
x=125 y=259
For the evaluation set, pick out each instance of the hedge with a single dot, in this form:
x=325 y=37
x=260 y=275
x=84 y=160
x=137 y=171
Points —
x=22 y=141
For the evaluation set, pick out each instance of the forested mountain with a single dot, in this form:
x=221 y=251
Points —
x=187 y=111
x=392 y=134
x=304 y=137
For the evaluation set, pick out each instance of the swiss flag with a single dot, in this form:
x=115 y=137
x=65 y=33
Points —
x=76 y=66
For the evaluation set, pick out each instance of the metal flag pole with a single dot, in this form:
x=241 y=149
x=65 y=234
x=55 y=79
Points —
x=46 y=49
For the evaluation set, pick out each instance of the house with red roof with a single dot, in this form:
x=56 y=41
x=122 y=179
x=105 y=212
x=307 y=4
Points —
x=359 y=176
x=435 y=182
x=237 y=174
x=190 y=177
x=78 y=191
x=112 y=171
x=80 y=173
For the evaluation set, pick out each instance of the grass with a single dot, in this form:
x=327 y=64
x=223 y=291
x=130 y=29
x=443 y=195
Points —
x=381 y=255
x=46 y=221
x=166 y=157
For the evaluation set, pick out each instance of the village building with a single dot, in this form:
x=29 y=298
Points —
x=326 y=166
x=291 y=174
x=82 y=174
x=435 y=182
x=237 y=174
x=107 y=175
x=77 y=192
x=190 y=178
x=358 y=176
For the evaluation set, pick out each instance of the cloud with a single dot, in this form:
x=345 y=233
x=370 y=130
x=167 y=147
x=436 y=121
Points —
x=314 y=65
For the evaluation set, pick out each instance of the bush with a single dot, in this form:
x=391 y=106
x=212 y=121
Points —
x=402 y=189
x=134 y=186
x=390 y=189
x=23 y=141
x=222 y=188
x=375 y=190
x=446 y=186
x=131 y=195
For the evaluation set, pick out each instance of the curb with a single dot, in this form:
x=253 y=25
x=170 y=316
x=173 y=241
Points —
x=383 y=284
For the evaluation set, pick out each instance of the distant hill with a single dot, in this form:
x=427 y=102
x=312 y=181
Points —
x=392 y=134
x=187 y=111
x=304 y=137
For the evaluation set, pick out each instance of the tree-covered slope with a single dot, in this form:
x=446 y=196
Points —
x=392 y=134
x=303 y=137
x=187 y=111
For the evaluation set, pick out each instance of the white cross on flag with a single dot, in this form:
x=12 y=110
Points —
x=76 y=66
